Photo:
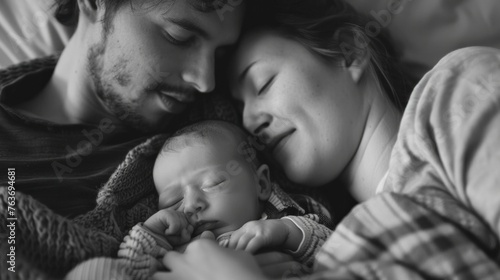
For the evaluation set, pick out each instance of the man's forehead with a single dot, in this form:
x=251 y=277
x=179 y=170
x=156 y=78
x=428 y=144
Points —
x=222 y=8
x=199 y=5
x=208 y=18
x=210 y=5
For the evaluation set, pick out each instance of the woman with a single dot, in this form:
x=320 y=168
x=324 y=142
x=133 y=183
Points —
x=316 y=89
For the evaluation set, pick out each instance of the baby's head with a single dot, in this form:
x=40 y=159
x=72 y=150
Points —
x=210 y=172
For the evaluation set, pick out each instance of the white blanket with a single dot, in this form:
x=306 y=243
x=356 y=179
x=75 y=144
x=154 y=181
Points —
x=28 y=30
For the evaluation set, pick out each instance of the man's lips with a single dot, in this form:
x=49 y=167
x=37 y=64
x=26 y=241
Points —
x=181 y=97
x=174 y=103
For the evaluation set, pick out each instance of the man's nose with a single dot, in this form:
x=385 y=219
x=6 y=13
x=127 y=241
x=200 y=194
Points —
x=200 y=73
x=194 y=201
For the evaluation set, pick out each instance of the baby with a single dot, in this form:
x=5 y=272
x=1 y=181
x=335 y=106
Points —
x=209 y=179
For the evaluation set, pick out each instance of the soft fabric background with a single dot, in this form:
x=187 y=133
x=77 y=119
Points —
x=424 y=31
x=28 y=30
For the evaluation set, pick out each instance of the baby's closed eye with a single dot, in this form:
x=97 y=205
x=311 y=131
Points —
x=215 y=186
x=170 y=201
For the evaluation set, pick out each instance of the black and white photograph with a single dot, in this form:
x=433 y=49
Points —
x=249 y=139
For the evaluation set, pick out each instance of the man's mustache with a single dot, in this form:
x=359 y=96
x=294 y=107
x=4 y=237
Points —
x=182 y=94
x=164 y=87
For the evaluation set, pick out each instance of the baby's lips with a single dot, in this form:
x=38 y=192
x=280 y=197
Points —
x=204 y=226
x=207 y=234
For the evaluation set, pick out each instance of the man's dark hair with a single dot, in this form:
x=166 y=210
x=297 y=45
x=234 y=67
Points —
x=67 y=11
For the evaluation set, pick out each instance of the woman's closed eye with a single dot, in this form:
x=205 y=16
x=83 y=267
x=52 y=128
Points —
x=266 y=85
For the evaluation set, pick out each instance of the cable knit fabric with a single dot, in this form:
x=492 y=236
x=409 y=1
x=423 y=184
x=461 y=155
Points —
x=314 y=237
x=141 y=252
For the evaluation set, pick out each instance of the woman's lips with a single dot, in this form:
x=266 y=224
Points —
x=279 y=142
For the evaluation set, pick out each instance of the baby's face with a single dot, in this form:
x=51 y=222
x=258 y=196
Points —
x=217 y=190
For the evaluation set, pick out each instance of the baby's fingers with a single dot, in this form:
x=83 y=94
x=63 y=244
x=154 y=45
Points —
x=182 y=237
x=176 y=226
x=243 y=242
x=233 y=240
x=255 y=244
x=187 y=232
x=240 y=240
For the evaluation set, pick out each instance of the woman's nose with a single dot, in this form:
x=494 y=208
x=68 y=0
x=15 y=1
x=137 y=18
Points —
x=255 y=120
x=194 y=201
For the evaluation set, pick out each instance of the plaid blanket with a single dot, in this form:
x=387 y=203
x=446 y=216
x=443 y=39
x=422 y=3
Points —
x=424 y=235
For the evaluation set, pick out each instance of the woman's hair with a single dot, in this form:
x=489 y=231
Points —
x=333 y=30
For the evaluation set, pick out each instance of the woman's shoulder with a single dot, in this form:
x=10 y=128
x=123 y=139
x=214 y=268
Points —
x=458 y=100
x=470 y=59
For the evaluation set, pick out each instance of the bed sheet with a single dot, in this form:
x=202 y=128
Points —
x=28 y=30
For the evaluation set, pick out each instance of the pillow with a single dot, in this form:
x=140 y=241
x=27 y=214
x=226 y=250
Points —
x=424 y=31
x=29 y=30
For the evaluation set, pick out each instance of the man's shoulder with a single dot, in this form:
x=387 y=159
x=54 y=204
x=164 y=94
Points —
x=25 y=78
x=13 y=72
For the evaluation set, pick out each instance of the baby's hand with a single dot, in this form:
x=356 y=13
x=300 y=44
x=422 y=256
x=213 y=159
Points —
x=255 y=235
x=173 y=224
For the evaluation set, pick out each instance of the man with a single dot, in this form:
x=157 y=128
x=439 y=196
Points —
x=129 y=70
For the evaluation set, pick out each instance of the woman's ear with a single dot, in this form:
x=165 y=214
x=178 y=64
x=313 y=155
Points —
x=357 y=67
x=90 y=9
x=265 y=186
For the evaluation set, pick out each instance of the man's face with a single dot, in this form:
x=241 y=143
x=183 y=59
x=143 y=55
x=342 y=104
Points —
x=156 y=58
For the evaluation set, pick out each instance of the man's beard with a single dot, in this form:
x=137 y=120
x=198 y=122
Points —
x=124 y=111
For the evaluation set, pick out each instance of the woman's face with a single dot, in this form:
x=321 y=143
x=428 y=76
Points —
x=308 y=111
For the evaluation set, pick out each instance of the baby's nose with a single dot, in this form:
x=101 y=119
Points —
x=194 y=202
